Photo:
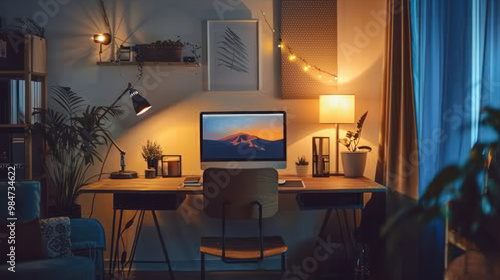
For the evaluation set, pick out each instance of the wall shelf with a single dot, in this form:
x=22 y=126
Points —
x=147 y=63
x=12 y=125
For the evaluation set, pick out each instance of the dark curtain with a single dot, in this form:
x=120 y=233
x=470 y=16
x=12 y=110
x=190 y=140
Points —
x=397 y=166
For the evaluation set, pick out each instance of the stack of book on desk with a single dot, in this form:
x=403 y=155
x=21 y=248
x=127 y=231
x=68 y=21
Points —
x=192 y=181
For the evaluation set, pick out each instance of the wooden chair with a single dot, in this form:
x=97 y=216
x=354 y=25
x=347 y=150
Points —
x=241 y=194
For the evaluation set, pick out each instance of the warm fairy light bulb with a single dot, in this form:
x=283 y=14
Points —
x=336 y=78
x=306 y=68
x=292 y=57
x=279 y=45
x=319 y=76
x=100 y=38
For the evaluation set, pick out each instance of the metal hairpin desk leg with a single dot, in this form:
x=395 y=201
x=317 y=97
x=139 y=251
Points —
x=164 y=248
x=136 y=239
x=325 y=222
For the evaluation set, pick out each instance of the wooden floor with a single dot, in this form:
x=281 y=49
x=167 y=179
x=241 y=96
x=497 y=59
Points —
x=245 y=275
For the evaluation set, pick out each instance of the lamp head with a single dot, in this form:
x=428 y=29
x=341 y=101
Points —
x=141 y=105
x=338 y=108
x=102 y=38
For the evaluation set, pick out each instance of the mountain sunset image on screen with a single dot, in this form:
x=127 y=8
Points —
x=243 y=137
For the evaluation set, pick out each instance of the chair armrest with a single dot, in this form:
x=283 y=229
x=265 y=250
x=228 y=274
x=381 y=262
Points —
x=87 y=233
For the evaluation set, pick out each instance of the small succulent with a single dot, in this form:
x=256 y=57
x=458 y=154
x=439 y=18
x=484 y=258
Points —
x=151 y=151
x=351 y=140
x=302 y=161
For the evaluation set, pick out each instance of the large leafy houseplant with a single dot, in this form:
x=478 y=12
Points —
x=73 y=133
x=468 y=194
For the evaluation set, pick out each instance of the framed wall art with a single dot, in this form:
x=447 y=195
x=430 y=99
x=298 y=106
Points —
x=233 y=49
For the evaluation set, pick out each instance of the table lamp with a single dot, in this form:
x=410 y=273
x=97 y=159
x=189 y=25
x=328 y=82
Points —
x=141 y=105
x=336 y=109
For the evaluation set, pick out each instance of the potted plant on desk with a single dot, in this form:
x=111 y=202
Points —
x=302 y=166
x=151 y=153
x=354 y=161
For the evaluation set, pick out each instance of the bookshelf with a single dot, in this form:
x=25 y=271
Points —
x=23 y=87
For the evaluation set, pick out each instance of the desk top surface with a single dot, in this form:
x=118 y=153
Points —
x=338 y=184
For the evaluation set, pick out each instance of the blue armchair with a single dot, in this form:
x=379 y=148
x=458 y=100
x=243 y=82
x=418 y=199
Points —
x=87 y=241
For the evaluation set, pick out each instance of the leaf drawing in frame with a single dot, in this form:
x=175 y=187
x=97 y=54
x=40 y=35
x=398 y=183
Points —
x=232 y=53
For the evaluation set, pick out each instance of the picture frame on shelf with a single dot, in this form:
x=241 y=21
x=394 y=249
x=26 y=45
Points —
x=233 y=48
x=171 y=166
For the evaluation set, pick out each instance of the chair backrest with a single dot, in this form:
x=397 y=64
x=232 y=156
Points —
x=239 y=190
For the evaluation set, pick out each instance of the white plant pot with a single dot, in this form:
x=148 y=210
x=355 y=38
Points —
x=354 y=163
x=302 y=170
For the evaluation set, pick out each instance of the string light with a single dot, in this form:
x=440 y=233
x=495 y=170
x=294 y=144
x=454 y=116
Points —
x=295 y=57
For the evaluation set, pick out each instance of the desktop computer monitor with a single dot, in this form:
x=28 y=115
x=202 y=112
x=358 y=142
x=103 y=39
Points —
x=251 y=139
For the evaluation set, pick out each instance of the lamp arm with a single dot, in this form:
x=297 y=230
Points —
x=122 y=152
x=114 y=143
x=113 y=104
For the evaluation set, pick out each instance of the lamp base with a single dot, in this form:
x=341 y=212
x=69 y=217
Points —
x=123 y=175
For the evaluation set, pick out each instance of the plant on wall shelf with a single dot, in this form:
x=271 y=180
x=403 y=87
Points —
x=26 y=25
x=351 y=140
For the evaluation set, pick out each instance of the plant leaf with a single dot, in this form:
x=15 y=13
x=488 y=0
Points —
x=361 y=121
x=365 y=148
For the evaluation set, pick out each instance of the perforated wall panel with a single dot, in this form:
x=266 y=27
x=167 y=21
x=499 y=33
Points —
x=309 y=28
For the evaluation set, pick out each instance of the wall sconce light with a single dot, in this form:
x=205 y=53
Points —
x=102 y=39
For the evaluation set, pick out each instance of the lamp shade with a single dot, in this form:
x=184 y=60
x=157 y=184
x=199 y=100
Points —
x=336 y=108
x=141 y=105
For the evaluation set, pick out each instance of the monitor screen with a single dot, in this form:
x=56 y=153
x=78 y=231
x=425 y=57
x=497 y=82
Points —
x=252 y=139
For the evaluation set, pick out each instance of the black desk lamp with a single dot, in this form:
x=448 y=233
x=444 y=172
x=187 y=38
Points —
x=141 y=105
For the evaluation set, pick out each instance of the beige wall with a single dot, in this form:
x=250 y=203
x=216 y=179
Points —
x=178 y=94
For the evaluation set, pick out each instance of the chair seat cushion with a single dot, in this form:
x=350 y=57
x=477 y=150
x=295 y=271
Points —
x=73 y=268
x=243 y=248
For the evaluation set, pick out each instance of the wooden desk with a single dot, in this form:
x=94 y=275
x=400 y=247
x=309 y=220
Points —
x=162 y=194
x=338 y=184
